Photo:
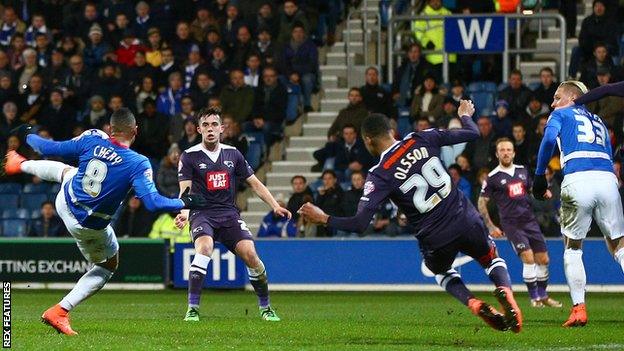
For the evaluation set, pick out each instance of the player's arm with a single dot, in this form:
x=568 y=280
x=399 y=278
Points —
x=482 y=204
x=182 y=217
x=547 y=147
x=614 y=89
x=266 y=196
x=46 y=147
x=469 y=130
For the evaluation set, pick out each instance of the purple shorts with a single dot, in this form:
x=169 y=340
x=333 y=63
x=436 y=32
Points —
x=228 y=231
x=525 y=236
x=474 y=241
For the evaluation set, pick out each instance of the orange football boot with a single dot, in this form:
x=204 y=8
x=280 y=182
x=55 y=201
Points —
x=58 y=318
x=578 y=316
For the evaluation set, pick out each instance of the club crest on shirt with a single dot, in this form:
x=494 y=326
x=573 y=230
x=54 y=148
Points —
x=369 y=187
x=203 y=166
x=504 y=181
x=149 y=175
x=229 y=163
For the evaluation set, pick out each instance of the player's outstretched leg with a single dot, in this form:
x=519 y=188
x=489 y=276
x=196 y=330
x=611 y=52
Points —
x=196 y=282
x=496 y=269
x=575 y=275
x=91 y=282
x=258 y=278
x=452 y=283
x=51 y=171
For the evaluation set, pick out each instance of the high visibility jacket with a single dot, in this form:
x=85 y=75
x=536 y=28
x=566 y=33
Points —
x=432 y=31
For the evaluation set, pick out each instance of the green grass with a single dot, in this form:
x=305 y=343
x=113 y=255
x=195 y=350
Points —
x=310 y=321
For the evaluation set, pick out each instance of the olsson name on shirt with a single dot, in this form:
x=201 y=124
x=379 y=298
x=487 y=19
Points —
x=410 y=160
x=107 y=154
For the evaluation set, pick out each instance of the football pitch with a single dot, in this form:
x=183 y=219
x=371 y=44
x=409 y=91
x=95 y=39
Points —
x=152 y=320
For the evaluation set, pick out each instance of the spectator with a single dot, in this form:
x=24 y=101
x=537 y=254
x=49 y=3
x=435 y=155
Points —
x=449 y=153
x=153 y=53
x=609 y=108
x=143 y=22
x=232 y=134
x=547 y=211
x=48 y=224
x=458 y=92
x=265 y=20
x=58 y=117
x=480 y=152
x=79 y=26
x=10 y=25
x=56 y=70
x=152 y=140
x=176 y=124
x=213 y=39
x=117 y=29
x=351 y=197
x=191 y=135
x=353 y=114
x=241 y=49
x=466 y=168
x=128 y=48
x=521 y=144
x=219 y=8
x=109 y=81
x=422 y=124
x=5 y=64
x=77 y=82
x=277 y=226
x=376 y=98
x=133 y=76
x=252 y=71
x=15 y=52
x=205 y=88
x=183 y=41
x=271 y=101
x=536 y=140
x=135 y=220
x=237 y=98
x=300 y=190
x=595 y=28
x=43 y=49
x=97 y=49
x=24 y=73
x=409 y=75
x=193 y=66
x=546 y=90
x=115 y=103
x=32 y=100
x=170 y=99
x=535 y=108
x=202 y=22
x=217 y=67
x=9 y=120
x=265 y=47
x=449 y=112
x=95 y=115
x=459 y=182
x=167 y=176
x=384 y=221
x=517 y=96
x=428 y=102
x=329 y=200
x=290 y=17
x=164 y=228
x=430 y=35
x=348 y=154
x=501 y=121
x=146 y=89
x=229 y=29
x=300 y=56
x=167 y=67
x=71 y=46
x=600 y=61
x=38 y=26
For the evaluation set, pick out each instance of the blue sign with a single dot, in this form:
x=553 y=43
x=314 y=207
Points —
x=474 y=34
x=225 y=270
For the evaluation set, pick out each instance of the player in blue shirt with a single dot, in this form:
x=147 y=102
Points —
x=411 y=174
x=90 y=195
x=589 y=189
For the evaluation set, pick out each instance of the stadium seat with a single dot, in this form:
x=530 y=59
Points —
x=482 y=101
x=8 y=201
x=10 y=188
x=34 y=214
x=254 y=155
x=20 y=213
x=14 y=227
x=32 y=188
x=33 y=201
x=534 y=85
x=481 y=86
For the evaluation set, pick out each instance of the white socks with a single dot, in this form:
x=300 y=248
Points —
x=529 y=272
x=254 y=273
x=200 y=263
x=619 y=257
x=575 y=274
x=51 y=171
x=542 y=272
x=89 y=284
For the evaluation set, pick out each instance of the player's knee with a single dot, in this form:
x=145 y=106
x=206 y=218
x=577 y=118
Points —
x=486 y=260
x=251 y=258
x=542 y=260
x=111 y=264
x=527 y=257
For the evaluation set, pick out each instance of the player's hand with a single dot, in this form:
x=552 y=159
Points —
x=193 y=202
x=548 y=195
x=282 y=212
x=496 y=233
x=313 y=214
x=180 y=220
x=466 y=108
x=540 y=186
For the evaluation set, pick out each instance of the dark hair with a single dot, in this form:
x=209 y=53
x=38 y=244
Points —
x=122 y=121
x=547 y=69
x=503 y=140
x=349 y=125
x=47 y=202
x=357 y=172
x=456 y=167
x=515 y=72
x=298 y=176
x=375 y=125
x=208 y=111
x=329 y=171
x=518 y=124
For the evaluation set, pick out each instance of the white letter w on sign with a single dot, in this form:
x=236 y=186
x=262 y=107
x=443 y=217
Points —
x=475 y=30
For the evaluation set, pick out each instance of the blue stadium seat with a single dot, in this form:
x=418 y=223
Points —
x=482 y=101
x=14 y=227
x=33 y=201
x=254 y=155
x=32 y=188
x=481 y=86
x=534 y=85
x=20 y=213
x=55 y=188
x=502 y=86
x=8 y=201
x=34 y=214
x=10 y=188
x=404 y=126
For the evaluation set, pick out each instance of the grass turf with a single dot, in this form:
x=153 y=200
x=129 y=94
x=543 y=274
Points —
x=148 y=320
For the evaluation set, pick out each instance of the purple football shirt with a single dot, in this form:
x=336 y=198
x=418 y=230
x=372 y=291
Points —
x=509 y=189
x=214 y=175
